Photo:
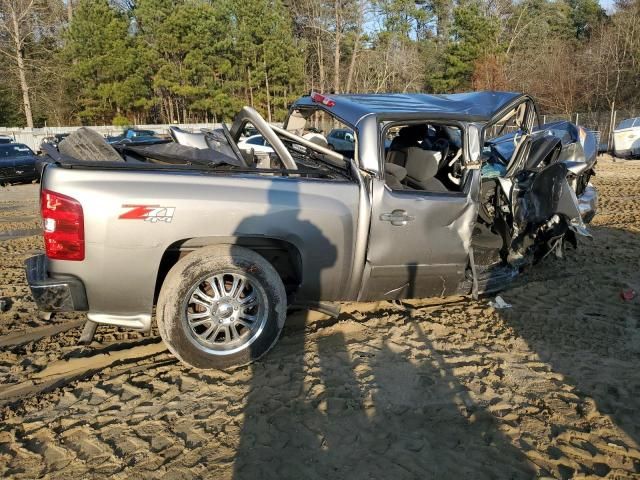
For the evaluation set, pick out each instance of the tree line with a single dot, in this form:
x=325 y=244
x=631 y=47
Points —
x=144 y=61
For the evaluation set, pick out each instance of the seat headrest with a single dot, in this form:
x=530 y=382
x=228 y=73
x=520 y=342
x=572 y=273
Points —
x=395 y=170
x=422 y=164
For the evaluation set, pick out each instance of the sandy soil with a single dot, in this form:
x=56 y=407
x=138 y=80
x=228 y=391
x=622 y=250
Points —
x=548 y=388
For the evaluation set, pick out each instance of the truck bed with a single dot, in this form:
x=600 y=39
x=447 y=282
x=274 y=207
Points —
x=183 y=207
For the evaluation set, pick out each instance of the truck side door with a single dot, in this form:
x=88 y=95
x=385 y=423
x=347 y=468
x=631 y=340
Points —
x=419 y=239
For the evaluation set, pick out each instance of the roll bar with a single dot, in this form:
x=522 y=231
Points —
x=250 y=115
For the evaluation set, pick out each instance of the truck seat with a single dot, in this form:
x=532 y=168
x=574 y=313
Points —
x=409 y=136
x=422 y=166
x=397 y=157
x=394 y=175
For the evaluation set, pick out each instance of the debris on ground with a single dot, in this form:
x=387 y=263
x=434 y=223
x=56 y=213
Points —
x=499 y=303
x=628 y=294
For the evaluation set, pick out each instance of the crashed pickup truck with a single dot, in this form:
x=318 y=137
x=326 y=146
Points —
x=436 y=195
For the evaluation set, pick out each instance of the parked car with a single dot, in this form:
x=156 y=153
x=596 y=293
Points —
x=6 y=139
x=341 y=140
x=257 y=143
x=626 y=138
x=132 y=135
x=18 y=164
x=223 y=248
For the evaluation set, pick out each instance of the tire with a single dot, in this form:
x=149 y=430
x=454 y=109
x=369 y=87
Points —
x=207 y=325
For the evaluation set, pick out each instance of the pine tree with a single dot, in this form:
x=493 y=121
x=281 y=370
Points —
x=474 y=36
x=10 y=114
x=268 y=60
x=102 y=62
x=585 y=16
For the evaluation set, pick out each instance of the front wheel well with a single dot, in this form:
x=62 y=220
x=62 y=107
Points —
x=284 y=257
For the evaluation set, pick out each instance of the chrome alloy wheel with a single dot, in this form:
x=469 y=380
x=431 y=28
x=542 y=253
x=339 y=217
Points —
x=226 y=312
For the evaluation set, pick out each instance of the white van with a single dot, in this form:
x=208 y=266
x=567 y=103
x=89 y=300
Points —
x=626 y=138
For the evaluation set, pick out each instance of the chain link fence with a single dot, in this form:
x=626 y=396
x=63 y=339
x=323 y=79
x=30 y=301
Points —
x=602 y=123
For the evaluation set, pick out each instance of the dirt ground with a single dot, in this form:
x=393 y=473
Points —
x=547 y=388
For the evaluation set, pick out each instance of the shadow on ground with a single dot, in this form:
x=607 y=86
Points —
x=551 y=388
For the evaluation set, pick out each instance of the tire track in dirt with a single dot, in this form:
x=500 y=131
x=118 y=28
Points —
x=18 y=338
x=61 y=372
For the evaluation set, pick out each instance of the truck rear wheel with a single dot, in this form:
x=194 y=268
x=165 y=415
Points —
x=221 y=306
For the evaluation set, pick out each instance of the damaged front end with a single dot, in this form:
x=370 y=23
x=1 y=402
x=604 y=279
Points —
x=546 y=210
x=536 y=196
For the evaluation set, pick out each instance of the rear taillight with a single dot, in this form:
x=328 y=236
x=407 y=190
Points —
x=63 y=223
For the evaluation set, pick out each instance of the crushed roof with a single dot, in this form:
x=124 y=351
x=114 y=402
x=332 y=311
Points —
x=472 y=106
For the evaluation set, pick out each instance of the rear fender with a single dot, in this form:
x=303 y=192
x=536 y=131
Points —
x=283 y=256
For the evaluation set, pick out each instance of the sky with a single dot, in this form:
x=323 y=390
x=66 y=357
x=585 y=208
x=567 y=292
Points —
x=607 y=5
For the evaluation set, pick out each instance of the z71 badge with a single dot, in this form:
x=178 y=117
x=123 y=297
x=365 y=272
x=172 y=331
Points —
x=148 y=213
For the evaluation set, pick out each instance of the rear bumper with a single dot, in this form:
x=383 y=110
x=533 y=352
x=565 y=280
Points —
x=60 y=294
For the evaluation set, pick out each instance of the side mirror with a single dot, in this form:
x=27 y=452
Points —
x=349 y=138
x=473 y=135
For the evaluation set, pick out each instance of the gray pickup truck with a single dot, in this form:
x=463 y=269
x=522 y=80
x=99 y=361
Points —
x=438 y=195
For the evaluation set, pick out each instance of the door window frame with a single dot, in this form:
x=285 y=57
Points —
x=532 y=117
x=383 y=128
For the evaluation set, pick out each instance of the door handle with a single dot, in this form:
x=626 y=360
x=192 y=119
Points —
x=398 y=218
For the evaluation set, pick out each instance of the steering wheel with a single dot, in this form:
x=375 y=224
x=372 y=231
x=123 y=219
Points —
x=454 y=167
